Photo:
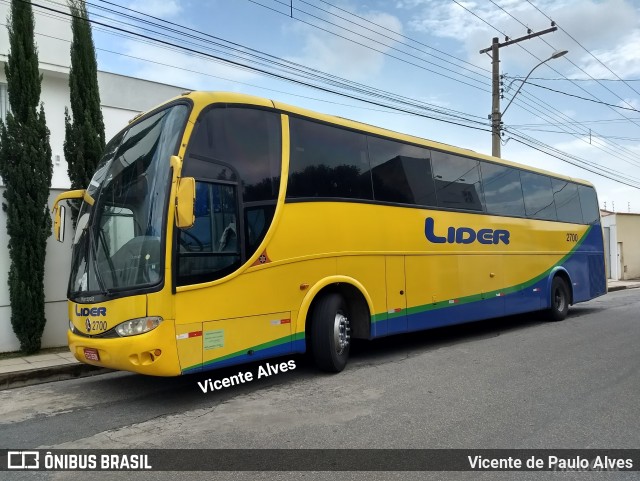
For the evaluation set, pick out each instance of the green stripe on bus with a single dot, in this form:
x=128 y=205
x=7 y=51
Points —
x=482 y=296
x=290 y=338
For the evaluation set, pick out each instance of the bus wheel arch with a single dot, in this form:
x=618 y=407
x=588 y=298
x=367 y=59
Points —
x=325 y=297
x=560 y=294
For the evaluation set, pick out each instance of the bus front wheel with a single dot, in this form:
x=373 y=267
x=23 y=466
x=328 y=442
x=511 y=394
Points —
x=559 y=299
x=330 y=333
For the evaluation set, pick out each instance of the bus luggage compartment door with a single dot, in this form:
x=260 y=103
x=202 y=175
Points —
x=396 y=295
x=234 y=341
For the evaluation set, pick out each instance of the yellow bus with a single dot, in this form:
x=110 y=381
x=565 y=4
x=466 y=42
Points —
x=222 y=228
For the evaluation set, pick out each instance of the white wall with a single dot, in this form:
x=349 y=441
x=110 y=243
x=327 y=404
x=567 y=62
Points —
x=628 y=227
x=135 y=96
x=610 y=221
x=57 y=265
x=53 y=50
x=122 y=98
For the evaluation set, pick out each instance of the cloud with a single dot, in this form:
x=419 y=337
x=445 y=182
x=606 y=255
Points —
x=609 y=28
x=343 y=57
x=183 y=70
x=622 y=58
x=157 y=8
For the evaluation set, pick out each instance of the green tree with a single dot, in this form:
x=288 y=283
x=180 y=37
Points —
x=84 y=135
x=25 y=167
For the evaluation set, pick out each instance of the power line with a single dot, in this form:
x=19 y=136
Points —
x=261 y=55
x=533 y=129
x=581 y=98
x=579 y=79
x=607 y=148
x=581 y=136
x=377 y=32
x=404 y=36
x=260 y=70
x=296 y=9
x=629 y=152
x=558 y=154
x=192 y=51
x=183 y=69
x=600 y=121
x=567 y=59
x=375 y=49
x=585 y=49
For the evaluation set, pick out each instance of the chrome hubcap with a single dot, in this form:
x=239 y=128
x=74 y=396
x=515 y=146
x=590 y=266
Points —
x=341 y=332
x=559 y=298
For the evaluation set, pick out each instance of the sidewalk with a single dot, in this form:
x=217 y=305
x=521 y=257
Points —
x=619 y=285
x=39 y=368
x=56 y=366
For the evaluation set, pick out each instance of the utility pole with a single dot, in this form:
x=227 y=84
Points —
x=496 y=115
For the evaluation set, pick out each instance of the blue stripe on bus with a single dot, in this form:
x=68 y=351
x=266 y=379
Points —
x=585 y=268
x=297 y=345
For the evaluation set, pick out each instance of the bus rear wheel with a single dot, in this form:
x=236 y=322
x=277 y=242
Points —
x=330 y=333
x=559 y=299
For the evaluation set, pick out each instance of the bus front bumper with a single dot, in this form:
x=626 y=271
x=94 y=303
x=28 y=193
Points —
x=153 y=353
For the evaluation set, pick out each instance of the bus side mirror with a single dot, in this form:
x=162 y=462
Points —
x=59 y=210
x=59 y=222
x=185 y=202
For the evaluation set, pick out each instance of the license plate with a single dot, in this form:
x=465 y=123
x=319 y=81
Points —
x=91 y=354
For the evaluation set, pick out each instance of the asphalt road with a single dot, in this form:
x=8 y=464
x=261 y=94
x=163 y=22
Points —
x=517 y=382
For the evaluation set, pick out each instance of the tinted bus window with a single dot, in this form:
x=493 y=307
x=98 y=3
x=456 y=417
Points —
x=502 y=189
x=457 y=182
x=538 y=196
x=401 y=173
x=210 y=249
x=565 y=195
x=589 y=204
x=238 y=143
x=327 y=162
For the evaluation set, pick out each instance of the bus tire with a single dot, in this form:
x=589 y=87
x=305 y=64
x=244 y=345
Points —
x=330 y=333
x=560 y=299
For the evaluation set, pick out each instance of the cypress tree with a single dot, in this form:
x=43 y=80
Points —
x=84 y=135
x=25 y=166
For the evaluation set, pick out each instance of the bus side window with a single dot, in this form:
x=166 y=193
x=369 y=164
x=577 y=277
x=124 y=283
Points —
x=538 y=196
x=257 y=220
x=589 y=204
x=210 y=248
x=401 y=173
x=565 y=195
x=502 y=189
x=457 y=181
x=327 y=162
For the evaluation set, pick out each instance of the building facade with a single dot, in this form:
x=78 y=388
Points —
x=622 y=244
x=121 y=98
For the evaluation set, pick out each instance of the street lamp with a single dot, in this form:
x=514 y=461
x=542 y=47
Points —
x=497 y=120
x=557 y=54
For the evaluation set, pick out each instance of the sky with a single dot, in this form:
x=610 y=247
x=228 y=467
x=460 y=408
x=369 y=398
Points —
x=428 y=51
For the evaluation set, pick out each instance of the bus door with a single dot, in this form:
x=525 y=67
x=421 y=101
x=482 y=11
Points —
x=396 y=294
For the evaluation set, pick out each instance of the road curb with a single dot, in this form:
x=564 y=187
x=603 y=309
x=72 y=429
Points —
x=10 y=380
x=622 y=287
x=616 y=288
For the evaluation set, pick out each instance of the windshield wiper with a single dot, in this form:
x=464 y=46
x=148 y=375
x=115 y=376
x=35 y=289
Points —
x=94 y=262
x=107 y=253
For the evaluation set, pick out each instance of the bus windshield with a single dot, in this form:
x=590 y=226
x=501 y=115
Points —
x=118 y=241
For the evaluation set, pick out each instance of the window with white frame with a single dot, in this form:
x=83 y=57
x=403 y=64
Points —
x=4 y=102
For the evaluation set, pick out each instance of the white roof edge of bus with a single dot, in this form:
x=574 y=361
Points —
x=233 y=97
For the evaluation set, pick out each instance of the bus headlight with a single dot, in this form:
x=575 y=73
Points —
x=72 y=328
x=138 y=326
